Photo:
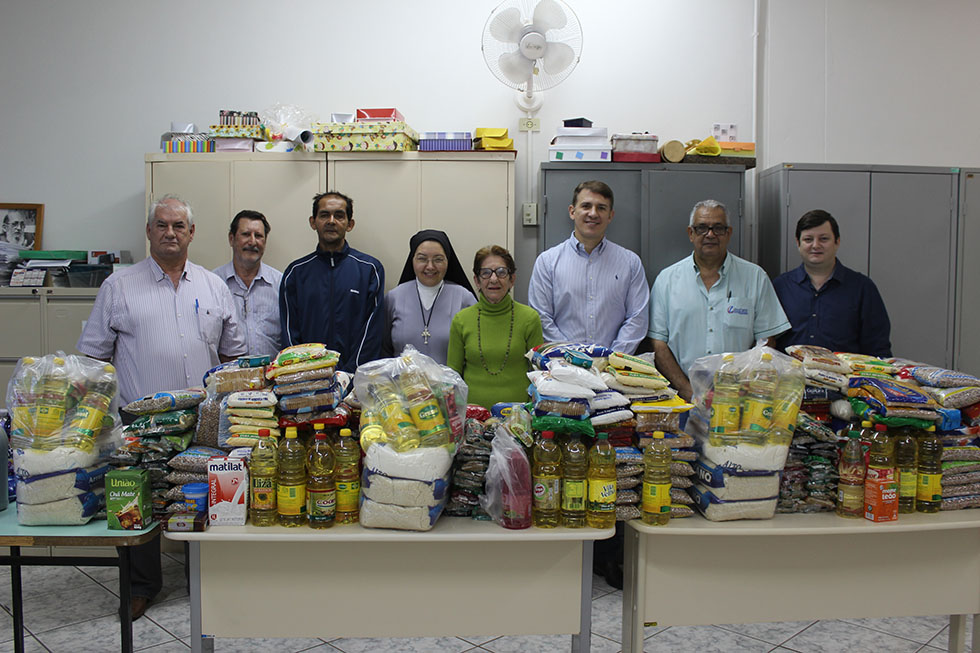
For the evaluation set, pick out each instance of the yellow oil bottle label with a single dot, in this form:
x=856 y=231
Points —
x=87 y=419
x=656 y=497
x=725 y=417
x=348 y=495
x=321 y=505
x=602 y=495
x=426 y=415
x=929 y=487
x=851 y=498
x=547 y=492
x=292 y=499
x=756 y=415
x=263 y=493
x=907 y=483
x=49 y=420
x=784 y=414
x=573 y=495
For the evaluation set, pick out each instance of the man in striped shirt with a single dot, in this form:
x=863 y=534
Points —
x=253 y=284
x=588 y=288
x=163 y=323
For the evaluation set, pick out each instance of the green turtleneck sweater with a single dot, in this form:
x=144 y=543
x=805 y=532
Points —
x=507 y=384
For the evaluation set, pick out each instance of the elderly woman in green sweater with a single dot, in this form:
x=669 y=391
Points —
x=487 y=341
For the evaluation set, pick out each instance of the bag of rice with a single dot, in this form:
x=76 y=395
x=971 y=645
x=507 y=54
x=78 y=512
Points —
x=162 y=402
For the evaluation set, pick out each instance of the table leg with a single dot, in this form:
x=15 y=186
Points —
x=199 y=643
x=125 y=600
x=957 y=633
x=582 y=642
x=18 y=600
x=634 y=590
x=975 y=640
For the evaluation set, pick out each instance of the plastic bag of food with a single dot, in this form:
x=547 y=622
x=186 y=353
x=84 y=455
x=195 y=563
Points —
x=175 y=421
x=233 y=376
x=299 y=358
x=162 y=402
x=507 y=498
x=818 y=358
x=414 y=400
x=542 y=355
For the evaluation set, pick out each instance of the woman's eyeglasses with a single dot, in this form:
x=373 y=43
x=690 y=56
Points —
x=500 y=272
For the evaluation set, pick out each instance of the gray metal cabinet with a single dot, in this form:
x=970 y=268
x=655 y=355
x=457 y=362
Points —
x=966 y=345
x=897 y=226
x=652 y=205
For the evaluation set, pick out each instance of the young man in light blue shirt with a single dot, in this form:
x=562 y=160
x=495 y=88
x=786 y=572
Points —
x=588 y=288
x=710 y=302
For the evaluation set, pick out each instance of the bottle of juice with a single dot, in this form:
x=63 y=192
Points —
x=51 y=402
x=291 y=482
x=546 y=481
x=600 y=508
x=424 y=409
x=321 y=493
x=929 y=495
x=726 y=408
x=87 y=423
x=348 y=478
x=907 y=463
x=575 y=465
x=850 y=486
x=656 y=481
x=262 y=509
x=760 y=390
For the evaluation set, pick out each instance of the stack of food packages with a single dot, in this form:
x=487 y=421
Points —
x=246 y=373
x=745 y=413
x=164 y=426
x=412 y=420
x=63 y=427
x=809 y=479
x=308 y=387
x=470 y=464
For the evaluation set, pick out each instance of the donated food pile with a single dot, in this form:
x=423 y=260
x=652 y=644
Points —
x=291 y=440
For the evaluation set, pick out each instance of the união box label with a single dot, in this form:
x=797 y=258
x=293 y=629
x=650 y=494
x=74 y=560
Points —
x=127 y=496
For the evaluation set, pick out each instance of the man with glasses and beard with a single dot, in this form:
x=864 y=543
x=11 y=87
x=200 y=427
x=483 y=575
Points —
x=253 y=284
x=709 y=302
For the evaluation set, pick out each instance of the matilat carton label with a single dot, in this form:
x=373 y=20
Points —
x=127 y=493
x=880 y=495
x=227 y=491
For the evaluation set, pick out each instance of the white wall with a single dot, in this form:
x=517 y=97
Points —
x=89 y=87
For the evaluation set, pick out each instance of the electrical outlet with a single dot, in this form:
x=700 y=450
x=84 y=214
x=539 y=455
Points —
x=529 y=124
x=530 y=214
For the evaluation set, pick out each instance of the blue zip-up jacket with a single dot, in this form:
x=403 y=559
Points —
x=336 y=298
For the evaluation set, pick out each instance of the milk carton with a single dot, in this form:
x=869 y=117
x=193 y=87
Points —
x=227 y=491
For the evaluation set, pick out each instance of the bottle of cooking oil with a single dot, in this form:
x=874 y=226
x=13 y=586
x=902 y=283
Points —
x=574 y=467
x=600 y=508
x=850 y=486
x=906 y=463
x=656 y=481
x=52 y=403
x=348 y=478
x=929 y=496
x=726 y=408
x=321 y=493
x=546 y=481
x=291 y=487
x=760 y=392
x=262 y=470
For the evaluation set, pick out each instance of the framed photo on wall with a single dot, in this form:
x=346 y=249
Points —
x=20 y=225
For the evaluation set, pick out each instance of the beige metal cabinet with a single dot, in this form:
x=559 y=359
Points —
x=470 y=195
x=219 y=185
x=40 y=321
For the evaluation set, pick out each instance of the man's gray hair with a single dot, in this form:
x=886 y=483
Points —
x=170 y=197
x=709 y=205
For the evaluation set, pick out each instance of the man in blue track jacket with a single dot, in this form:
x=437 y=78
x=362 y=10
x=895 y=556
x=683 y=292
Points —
x=336 y=294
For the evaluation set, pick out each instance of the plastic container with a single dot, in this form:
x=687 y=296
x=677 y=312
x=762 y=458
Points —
x=655 y=504
x=575 y=464
x=291 y=482
x=546 y=479
x=321 y=493
x=929 y=495
x=195 y=496
x=347 y=478
x=600 y=508
x=263 y=471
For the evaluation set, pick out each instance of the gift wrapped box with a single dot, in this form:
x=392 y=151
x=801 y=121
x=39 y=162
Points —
x=443 y=141
x=233 y=144
x=379 y=115
x=395 y=136
x=256 y=132
x=581 y=153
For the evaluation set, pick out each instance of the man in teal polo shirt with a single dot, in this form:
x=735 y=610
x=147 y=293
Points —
x=709 y=302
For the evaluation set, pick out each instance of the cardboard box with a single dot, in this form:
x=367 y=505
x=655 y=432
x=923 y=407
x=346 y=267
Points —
x=255 y=132
x=636 y=157
x=880 y=495
x=227 y=491
x=445 y=141
x=277 y=146
x=128 y=505
x=364 y=137
x=581 y=153
x=645 y=143
x=379 y=115
x=491 y=132
x=735 y=148
x=233 y=145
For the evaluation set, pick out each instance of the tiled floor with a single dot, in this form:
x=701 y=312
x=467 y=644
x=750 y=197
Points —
x=72 y=610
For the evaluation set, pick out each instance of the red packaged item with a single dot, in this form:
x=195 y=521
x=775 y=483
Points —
x=473 y=411
x=379 y=115
x=508 y=495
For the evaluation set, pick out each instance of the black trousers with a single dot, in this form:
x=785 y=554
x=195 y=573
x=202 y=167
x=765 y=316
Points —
x=144 y=568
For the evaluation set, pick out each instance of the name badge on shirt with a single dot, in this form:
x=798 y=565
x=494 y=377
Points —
x=739 y=313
